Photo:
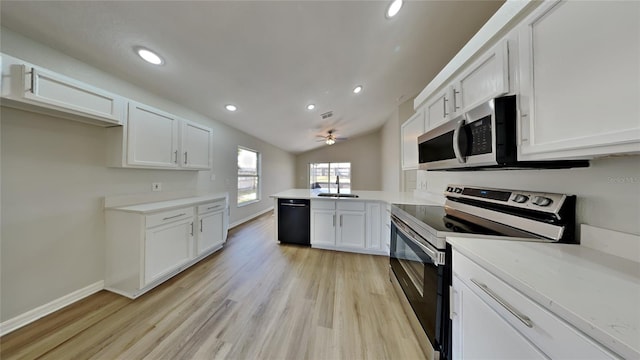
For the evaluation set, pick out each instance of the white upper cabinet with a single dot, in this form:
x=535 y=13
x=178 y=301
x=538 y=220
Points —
x=438 y=108
x=152 y=137
x=29 y=87
x=409 y=132
x=580 y=79
x=196 y=148
x=485 y=79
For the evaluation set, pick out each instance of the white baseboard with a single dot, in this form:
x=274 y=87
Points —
x=46 y=309
x=248 y=218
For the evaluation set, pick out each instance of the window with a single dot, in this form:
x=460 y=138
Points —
x=248 y=176
x=322 y=176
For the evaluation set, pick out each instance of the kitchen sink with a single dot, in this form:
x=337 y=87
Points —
x=336 y=195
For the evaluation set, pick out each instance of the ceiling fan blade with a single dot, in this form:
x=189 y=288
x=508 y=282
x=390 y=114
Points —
x=342 y=138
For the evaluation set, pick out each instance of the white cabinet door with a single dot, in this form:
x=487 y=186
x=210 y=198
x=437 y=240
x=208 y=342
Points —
x=196 y=146
x=485 y=79
x=152 y=137
x=212 y=231
x=580 y=79
x=323 y=227
x=438 y=108
x=409 y=132
x=351 y=229
x=60 y=92
x=166 y=248
x=374 y=226
x=478 y=332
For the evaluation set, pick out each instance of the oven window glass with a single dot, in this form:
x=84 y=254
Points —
x=411 y=263
x=421 y=280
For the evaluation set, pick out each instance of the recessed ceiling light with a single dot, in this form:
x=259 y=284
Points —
x=231 y=107
x=393 y=8
x=311 y=107
x=149 y=56
x=357 y=89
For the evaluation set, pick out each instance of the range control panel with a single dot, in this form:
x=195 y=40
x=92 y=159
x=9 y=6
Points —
x=545 y=202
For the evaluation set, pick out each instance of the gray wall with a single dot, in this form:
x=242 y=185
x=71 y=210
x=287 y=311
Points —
x=393 y=178
x=362 y=152
x=54 y=177
x=608 y=191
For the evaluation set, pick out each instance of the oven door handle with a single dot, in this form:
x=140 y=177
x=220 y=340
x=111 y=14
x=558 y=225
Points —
x=430 y=252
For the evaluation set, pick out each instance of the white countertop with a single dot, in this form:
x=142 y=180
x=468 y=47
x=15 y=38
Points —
x=169 y=204
x=596 y=292
x=363 y=195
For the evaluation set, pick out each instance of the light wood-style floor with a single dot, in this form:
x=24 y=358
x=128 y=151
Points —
x=255 y=299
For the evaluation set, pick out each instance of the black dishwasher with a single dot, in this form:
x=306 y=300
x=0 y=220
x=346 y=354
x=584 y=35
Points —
x=294 y=221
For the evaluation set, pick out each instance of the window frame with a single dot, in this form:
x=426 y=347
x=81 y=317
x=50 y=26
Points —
x=258 y=176
x=329 y=173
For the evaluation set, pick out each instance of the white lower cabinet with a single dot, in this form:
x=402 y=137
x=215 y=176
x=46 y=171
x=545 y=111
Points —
x=492 y=320
x=213 y=227
x=146 y=246
x=348 y=225
x=480 y=333
x=166 y=247
x=351 y=229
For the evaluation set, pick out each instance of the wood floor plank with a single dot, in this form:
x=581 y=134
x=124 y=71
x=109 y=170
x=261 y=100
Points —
x=255 y=299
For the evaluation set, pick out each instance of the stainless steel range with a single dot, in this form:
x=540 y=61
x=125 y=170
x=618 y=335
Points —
x=420 y=258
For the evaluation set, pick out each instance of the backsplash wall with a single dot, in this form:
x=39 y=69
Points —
x=608 y=191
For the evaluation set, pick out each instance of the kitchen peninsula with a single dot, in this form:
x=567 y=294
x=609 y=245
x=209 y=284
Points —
x=355 y=224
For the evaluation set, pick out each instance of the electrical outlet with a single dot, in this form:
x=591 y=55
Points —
x=156 y=186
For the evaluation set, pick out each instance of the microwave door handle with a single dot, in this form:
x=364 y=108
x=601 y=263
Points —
x=456 y=143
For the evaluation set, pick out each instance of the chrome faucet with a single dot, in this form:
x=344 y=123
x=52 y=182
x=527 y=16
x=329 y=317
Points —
x=338 y=182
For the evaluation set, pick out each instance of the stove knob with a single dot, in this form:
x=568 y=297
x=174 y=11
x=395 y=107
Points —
x=449 y=189
x=458 y=190
x=519 y=198
x=542 y=201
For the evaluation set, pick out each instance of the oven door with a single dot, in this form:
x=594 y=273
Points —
x=416 y=266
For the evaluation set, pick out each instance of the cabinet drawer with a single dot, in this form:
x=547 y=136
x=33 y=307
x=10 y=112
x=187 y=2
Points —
x=323 y=204
x=212 y=206
x=351 y=205
x=552 y=335
x=168 y=216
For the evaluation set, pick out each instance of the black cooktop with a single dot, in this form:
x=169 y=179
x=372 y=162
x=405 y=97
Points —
x=430 y=215
x=434 y=217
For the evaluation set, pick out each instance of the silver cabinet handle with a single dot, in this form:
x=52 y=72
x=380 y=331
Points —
x=33 y=82
x=296 y=205
x=456 y=144
x=200 y=225
x=192 y=228
x=176 y=157
x=340 y=220
x=524 y=319
x=214 y=207
x=334 y=220
x=185 y=157
x=444 y=106
x=173 y=217
x=455 y=99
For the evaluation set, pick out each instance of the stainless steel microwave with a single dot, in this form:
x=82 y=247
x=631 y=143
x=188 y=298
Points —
x=481 y=138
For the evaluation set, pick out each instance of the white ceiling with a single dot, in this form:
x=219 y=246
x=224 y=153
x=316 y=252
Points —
x=270 y=58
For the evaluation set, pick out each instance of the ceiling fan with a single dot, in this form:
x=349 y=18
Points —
x=330 y=138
